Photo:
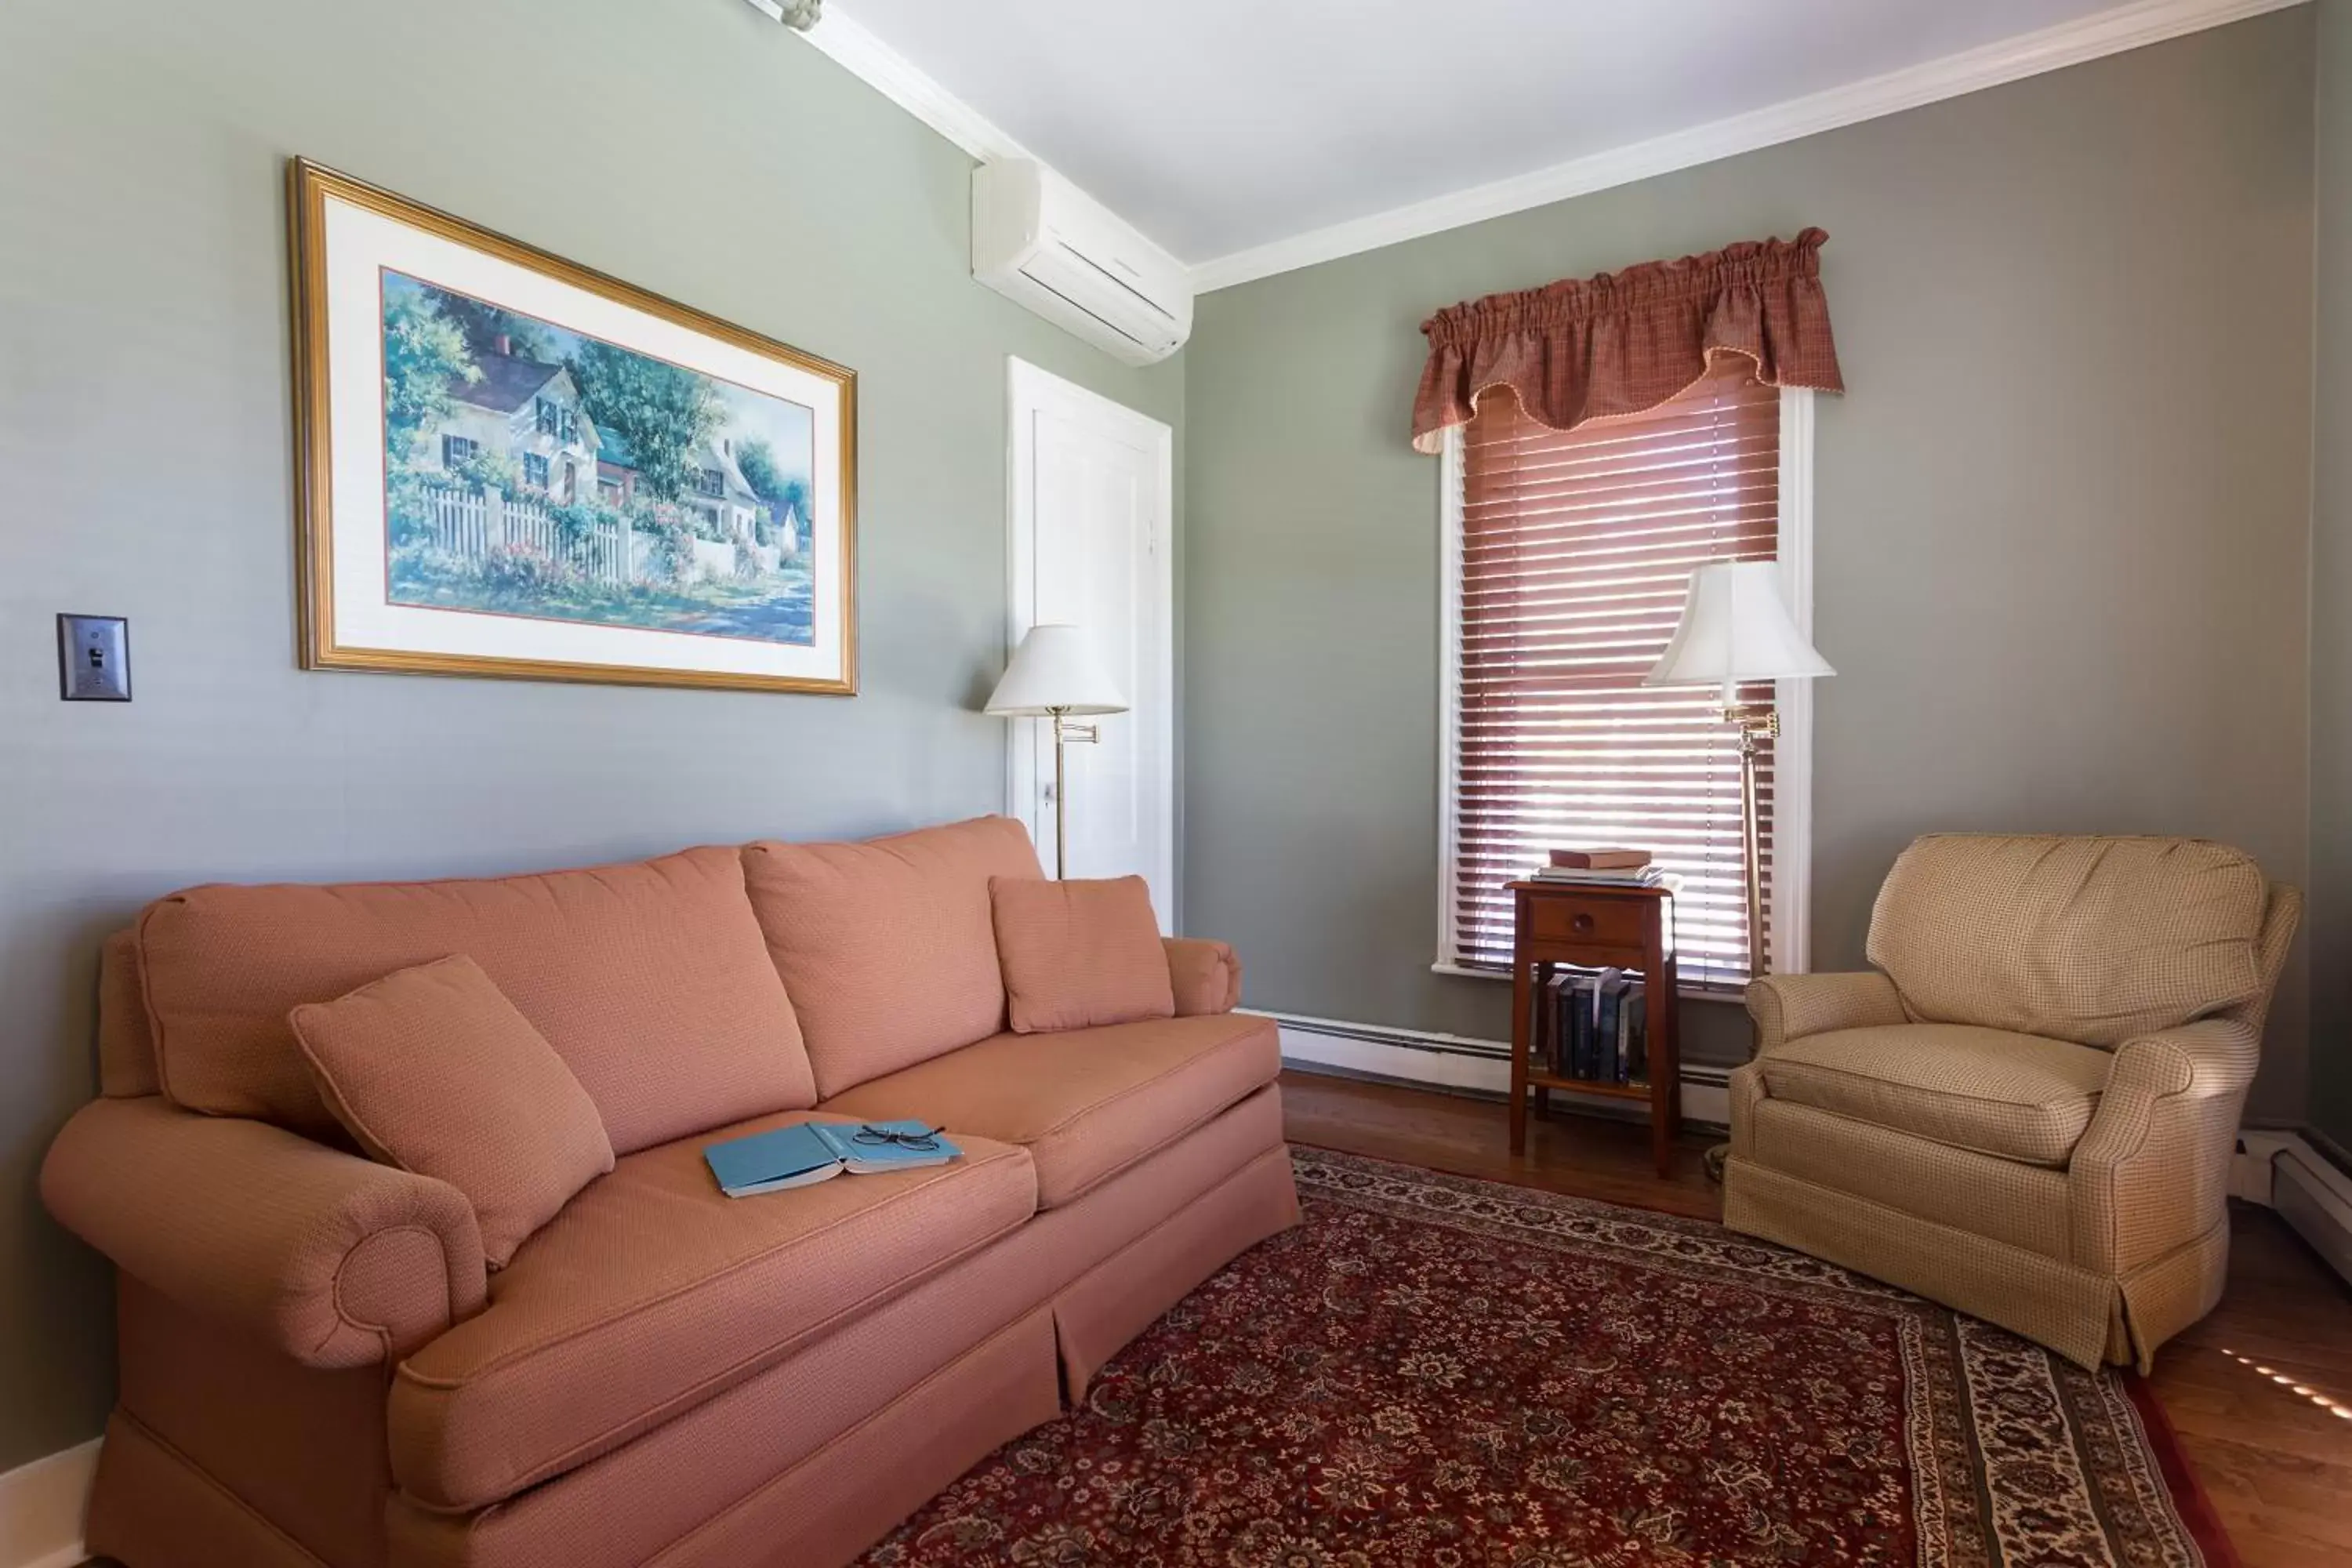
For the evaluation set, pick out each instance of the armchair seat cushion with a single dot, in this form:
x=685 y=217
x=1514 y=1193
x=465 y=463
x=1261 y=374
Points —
x=653 y=1291
x=1086 y=1104
x=2020 y=1097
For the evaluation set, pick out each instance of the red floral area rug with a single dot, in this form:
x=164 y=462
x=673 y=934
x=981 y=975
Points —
x=1438 y=1370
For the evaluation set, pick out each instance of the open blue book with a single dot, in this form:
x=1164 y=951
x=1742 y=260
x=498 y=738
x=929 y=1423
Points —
x=810 y=1152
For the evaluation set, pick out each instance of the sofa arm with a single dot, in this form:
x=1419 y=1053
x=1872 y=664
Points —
x=333 y=1259
x=1790 y=1006
x=1207 y=975
x=2152 y=1171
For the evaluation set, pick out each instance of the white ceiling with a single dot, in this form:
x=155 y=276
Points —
x=1217 y=126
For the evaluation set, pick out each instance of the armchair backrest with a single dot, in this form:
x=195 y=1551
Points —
x=2093 y=940
x=2279 y=921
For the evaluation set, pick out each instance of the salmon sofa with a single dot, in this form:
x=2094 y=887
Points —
x=317 y=1366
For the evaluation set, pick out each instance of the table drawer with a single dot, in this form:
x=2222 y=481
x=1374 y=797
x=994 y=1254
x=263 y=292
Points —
x=1600 y=923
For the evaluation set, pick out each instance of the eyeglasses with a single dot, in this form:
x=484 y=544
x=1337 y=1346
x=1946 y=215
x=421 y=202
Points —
x=880 y=1136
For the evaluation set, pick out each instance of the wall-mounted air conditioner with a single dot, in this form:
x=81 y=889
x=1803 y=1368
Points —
x=1039 y=240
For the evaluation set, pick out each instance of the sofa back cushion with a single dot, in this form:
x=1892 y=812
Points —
x=2082 y=939
x=431 y=1069
x=888 y=947
x=650 y=979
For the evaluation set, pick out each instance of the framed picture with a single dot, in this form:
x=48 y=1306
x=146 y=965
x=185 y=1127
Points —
x=513 y=466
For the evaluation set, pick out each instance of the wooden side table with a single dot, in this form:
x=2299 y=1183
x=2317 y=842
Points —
x=1596 y=927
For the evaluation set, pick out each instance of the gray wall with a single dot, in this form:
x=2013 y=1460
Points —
x=2331 y=592
x=2062 y=517
x=144 y=428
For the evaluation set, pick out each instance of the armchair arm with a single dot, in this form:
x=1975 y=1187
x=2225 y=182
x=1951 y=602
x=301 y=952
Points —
x=1790 y=1006
x=1207 y=975
x=2152 y=1171
x=333 y=1259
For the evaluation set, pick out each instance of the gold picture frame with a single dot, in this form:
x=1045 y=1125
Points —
x=686 y=563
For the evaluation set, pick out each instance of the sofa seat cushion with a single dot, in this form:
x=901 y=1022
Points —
x=2021 y=1097
x=1086 y=1104
x=653 y=1292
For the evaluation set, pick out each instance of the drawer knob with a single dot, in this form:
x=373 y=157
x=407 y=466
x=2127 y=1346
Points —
x=1581 y=924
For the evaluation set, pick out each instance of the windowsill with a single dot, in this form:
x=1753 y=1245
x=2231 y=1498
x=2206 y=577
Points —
x=1688 y=993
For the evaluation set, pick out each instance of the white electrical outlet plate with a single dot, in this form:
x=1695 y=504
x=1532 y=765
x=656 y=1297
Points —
x=93 y=658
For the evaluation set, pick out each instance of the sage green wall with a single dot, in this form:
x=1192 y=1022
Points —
x=688 y=146
x=2062 y=516
x=2331 y=598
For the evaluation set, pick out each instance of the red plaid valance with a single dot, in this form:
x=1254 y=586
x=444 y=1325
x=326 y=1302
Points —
x=1625 y=342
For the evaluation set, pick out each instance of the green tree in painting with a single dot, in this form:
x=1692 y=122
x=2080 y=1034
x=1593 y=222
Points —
x=663 y=413
x=787 y=498
x=424 y=353
x=792 y=495
x=758 y=461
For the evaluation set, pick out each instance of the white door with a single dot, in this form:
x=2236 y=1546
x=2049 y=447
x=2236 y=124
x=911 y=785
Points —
x=1092 y=493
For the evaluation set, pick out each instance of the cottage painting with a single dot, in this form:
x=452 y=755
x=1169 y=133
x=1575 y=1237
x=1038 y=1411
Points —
x=513 y=466
x=532 y=471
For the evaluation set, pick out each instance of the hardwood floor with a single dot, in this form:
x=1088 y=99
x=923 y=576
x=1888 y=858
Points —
x=2277 y=1465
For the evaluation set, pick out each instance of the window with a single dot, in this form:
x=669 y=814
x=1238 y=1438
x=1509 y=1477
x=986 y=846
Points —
x=547 y=414
x=1568 y=557
x=534 y=471
x=457 y=450
x=567 y=426
x=711 y=482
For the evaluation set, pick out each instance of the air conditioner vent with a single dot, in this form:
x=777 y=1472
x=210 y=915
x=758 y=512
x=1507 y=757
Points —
x=1040 y=241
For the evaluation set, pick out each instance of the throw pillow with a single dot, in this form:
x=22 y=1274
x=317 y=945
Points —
x=1075 y=954
x=434 y=1070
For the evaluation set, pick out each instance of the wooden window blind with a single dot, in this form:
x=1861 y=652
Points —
x=1576 y=550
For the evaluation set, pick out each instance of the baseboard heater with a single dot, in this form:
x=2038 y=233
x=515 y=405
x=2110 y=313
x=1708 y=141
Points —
x=1464 y=1064
x=2312 y=1193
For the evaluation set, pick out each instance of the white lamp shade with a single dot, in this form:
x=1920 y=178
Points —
x=1735 y=627
x=1055 y=668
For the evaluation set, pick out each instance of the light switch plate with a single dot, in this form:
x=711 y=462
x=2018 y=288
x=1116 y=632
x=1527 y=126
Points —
x=93 y=658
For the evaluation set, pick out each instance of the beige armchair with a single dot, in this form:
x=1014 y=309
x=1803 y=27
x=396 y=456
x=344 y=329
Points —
x=2028 y=1108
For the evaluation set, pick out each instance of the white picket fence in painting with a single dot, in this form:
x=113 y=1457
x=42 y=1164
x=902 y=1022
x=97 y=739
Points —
x=472 y=524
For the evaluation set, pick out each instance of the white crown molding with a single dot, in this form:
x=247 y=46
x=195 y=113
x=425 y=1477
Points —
x=2111 y=32
x=908 y=86
x=2129 y=26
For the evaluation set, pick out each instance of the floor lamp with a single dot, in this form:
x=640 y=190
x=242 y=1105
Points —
x=1735 y=628
x=1055 y=674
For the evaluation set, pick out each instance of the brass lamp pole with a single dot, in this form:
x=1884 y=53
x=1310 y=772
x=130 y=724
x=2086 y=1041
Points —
x=1065 y=734
x=1758 y=722
x=1735 y=629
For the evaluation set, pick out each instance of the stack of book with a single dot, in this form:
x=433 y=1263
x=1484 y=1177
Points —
x=1601 y=868
x=1600 y=1032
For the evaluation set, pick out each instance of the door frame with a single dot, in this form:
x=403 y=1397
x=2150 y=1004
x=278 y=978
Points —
x=1030 y=389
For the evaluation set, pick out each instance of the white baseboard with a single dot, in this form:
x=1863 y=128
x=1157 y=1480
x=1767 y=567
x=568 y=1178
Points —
x=2305 y=1188
x=41 y=1509
x=1464 y=1064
